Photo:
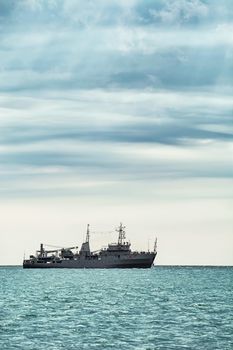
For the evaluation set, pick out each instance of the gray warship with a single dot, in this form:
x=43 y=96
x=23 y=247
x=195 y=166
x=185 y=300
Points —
x=116 y=255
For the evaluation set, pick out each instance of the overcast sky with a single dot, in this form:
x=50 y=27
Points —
x=117 y=110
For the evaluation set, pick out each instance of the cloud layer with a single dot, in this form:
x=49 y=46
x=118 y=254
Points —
x=114 y=91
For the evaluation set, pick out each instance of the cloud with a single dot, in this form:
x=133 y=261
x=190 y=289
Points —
x=113 y=136
x=88 y=88
x=117 y=57
x=117 y=115
x=181 y=11
x=116 y=45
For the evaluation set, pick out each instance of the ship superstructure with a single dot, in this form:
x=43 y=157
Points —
x=116 y=255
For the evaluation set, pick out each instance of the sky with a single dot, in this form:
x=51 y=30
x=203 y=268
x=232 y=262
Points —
x=117 y=111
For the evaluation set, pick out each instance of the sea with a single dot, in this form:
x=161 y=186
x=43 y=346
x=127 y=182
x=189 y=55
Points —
x=159 y=308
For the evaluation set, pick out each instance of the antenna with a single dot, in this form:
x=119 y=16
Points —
x=155 y=245
x=121 y=236
x=148 y=245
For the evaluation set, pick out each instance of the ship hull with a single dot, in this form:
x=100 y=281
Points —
x=140 y=261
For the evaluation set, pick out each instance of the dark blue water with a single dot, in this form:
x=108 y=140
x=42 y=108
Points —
x=159 y=308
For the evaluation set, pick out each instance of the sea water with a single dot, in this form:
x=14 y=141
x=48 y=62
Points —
x=158 y=308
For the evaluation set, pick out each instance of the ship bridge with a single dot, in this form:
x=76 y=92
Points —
x=121 y=245
x=115 y=247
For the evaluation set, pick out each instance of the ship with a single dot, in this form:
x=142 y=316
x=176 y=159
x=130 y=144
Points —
x=115 y=255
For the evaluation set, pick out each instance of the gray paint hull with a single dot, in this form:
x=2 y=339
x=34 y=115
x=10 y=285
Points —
x=143 y=260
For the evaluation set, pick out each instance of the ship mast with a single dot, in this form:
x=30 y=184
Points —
x=88 y=234
x=121 y=236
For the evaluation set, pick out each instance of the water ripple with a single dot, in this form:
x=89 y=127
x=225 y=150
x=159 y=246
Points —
x=161 y=308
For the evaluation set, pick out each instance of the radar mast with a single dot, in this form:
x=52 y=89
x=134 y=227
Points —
x=121 y=236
